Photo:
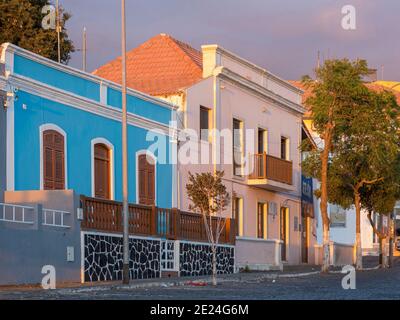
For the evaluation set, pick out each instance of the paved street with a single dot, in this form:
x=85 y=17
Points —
x=373 y=284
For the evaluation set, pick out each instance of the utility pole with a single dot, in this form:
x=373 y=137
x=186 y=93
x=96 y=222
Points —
x=58 y=29
x=125 y=274
x=84 y=50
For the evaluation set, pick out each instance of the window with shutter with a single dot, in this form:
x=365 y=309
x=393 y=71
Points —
x=53 y=160
x=146 y=176
x=102 y=171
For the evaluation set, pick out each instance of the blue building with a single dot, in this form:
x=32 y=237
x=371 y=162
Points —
x=61 y=129
x=61 y=170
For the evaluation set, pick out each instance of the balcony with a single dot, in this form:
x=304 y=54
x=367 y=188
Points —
x=272 y=173
x=106 y=216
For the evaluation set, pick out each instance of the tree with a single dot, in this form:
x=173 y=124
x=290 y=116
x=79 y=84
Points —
x=381 y=198
x=361 y=166
x=209 y=198
x=337 y=83
x=21 y=24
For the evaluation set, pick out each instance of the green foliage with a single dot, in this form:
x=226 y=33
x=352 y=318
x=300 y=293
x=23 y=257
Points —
x=21 y=24
x=207 y=193
x=382 y=196
x=364 y=156
x=367 y=155
x=335 y=93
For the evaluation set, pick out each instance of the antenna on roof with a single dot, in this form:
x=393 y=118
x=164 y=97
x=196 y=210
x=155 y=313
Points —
x=318 y=59
x=84 y=49
x=58 y=30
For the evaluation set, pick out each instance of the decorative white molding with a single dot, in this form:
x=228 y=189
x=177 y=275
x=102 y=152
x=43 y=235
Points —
x=258 y=90
x=10 y=147
x=151 y=155
x=7 y=57
x=51 y=126
x=103 y=93
x=269 y=75
x=10 y=48
x=119 y=235
x=259 y=240
x=110 y=146
x=206 y=243
x=78 y=102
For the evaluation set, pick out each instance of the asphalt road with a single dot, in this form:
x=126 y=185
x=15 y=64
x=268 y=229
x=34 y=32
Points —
x=374 y=284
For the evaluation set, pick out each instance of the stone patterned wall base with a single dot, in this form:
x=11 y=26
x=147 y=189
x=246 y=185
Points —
x=196 y=259
x=104 y=258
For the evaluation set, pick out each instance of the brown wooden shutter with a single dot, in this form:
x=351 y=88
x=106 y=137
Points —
x=102 y=171
x=146 y=183
x=53 y=160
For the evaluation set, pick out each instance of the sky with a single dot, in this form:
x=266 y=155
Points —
x=282 y=36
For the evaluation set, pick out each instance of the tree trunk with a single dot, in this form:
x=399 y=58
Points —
x=381 y=249
x=384 y=253
x=357 y=204
x=214 y=265
x=391 y=240
x=324 y=207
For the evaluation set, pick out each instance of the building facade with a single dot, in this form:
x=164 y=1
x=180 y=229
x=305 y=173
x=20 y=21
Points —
x=217 y=90
x=63 y=130
x=60 y=179
x=343 y=221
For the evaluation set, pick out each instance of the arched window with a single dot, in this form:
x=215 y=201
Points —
x=53 y=160
x=102 y=169
x=146 y=179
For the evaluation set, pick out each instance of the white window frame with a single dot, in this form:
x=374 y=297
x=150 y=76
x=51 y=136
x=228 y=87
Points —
x=240 y=223
x=242 y=146
x=110 y=146
x=287 y=147
x=265 y=137
x=265 y=218
x=42 y=129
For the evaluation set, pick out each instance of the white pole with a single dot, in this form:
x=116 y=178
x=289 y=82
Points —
x=125 y=275
x=84 y=49
x=58 y=31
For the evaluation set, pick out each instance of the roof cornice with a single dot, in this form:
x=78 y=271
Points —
x=261 y=91
x=75 y=101
x=253 y=66
x=8 y=47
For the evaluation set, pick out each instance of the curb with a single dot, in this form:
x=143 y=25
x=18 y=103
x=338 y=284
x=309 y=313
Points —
x=186 y=283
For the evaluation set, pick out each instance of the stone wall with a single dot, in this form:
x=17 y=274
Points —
x=103 y=257
x=195 y=259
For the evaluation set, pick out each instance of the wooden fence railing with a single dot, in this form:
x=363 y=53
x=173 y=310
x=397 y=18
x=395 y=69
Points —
x=270 y=167
x=106 y=215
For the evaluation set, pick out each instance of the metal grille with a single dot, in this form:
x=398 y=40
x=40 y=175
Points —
x=167 y=255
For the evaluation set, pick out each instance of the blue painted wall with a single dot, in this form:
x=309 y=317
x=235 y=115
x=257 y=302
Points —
x=89 y=89
x=81 y=127
x=56 y=78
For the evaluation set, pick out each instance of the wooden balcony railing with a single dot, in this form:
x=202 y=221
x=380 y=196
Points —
x=106 y=215
x=273 y=168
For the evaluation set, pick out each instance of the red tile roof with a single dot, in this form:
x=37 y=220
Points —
x=371 y=86
x=161 y=65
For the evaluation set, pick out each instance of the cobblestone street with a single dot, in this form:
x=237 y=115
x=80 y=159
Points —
x=371 y=284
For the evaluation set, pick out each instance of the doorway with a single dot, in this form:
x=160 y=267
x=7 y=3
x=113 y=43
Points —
x=304 y=239
x=283 y=221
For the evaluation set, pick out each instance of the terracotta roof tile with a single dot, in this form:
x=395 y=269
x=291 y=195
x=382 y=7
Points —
x=161 y=65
